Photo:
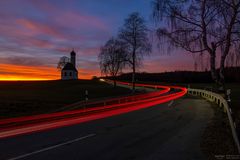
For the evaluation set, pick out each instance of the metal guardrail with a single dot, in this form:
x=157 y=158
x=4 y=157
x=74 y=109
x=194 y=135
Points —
x=110 y=100
x=218 y=99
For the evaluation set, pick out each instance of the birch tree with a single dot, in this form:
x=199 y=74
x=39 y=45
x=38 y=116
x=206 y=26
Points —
x=200 y=26
x=134 y=34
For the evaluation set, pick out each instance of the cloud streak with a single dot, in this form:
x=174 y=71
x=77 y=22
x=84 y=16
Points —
x=35 y=34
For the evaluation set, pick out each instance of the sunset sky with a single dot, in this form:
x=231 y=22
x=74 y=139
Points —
x=34 y=34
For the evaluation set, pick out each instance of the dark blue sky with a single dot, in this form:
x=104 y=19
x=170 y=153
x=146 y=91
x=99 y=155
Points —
x=36 y=33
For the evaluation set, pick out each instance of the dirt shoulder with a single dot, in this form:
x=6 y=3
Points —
x=217 y=141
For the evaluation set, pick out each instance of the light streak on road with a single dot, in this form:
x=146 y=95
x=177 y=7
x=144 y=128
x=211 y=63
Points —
x=102 y=80
x=111 y=107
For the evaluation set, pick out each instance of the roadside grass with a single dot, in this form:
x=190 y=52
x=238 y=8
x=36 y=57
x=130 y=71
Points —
x=217 y=141
x=19 y=98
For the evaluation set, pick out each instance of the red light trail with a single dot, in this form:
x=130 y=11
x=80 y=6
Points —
x=24 y=125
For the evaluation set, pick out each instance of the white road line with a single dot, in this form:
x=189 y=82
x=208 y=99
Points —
x=52 y=147
x=171 y=103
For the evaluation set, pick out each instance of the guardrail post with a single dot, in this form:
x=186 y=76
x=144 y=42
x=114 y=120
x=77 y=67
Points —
x=86 y=95
x=86 y=99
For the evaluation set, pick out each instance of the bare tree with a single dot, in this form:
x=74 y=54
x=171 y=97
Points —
x=200 y=26
x=112 y=58
x=135 y=34
x=62 y=62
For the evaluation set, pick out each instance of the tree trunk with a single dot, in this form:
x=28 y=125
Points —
x=115 y=83
x=133 y=74
x=213 y=67
x=221 y=72
x=227 y=46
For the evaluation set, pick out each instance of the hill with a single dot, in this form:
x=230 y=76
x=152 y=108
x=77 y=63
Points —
x=232 y=76
x=19 y=98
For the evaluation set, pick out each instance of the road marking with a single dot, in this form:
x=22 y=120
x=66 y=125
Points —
x=52 y=147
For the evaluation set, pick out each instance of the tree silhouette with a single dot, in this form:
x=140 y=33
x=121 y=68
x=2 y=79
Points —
x=62 y=62
x=134 y=34
x=112 y=58
x=200 y=26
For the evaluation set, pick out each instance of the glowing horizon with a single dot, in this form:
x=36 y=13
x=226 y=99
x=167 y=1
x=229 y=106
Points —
x=34 y=35
x=31 y=73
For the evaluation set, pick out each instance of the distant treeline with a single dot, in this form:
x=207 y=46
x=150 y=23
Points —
x=232 y=74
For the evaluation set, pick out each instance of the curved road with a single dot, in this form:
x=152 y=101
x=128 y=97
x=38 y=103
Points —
x=170 y=130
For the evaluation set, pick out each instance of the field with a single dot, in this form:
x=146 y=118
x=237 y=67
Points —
x=18 y=98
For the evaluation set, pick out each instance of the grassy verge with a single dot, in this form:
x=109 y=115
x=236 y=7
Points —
x=217 y=141
x=18 y=98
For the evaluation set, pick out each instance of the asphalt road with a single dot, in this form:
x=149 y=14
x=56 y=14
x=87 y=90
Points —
x=168 y=131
